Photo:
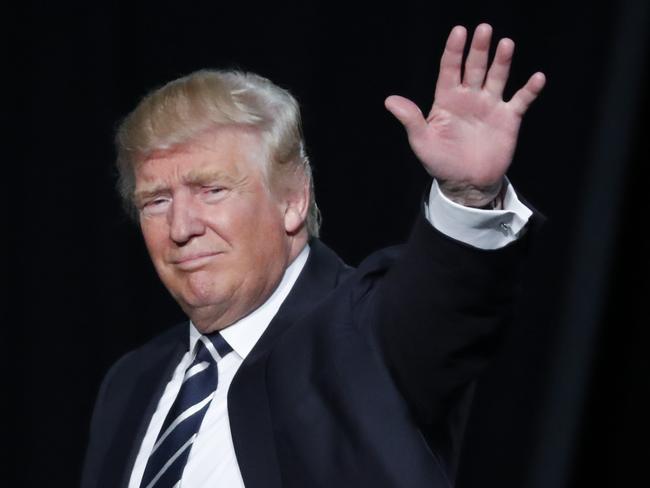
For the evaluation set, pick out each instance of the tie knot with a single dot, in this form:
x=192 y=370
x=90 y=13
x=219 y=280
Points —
x=211 y=347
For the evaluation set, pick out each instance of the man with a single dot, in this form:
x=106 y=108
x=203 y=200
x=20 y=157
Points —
x=297 y=370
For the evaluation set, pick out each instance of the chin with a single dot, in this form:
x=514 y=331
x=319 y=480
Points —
x=202 y=288
x=203 y=299
x=193 y=295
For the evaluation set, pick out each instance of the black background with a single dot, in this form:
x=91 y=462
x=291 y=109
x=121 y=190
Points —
x=564 y=405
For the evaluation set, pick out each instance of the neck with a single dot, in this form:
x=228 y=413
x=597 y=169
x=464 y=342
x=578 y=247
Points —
x=296 y=245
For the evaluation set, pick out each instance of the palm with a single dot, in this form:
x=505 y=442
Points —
x=470 y=134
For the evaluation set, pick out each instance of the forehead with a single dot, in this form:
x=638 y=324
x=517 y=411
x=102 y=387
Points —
x=226 y=151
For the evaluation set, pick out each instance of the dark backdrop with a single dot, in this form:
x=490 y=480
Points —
x=566 y=402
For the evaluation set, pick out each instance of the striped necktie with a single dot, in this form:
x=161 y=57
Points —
x=172 y=448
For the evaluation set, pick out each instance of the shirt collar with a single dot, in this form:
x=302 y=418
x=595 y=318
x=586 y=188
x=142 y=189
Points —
x=244 y=334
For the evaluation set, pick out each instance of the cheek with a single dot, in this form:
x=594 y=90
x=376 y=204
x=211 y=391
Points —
x=254 y=220
x=155 y=240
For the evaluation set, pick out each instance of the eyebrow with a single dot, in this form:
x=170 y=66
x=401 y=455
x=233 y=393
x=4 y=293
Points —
x=195 y=177
x=202 y=177
x=140 y=195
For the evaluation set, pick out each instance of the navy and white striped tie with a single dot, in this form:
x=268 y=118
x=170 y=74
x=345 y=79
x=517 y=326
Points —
x=172 y=448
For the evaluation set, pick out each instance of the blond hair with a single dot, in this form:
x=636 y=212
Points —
x=185 y=108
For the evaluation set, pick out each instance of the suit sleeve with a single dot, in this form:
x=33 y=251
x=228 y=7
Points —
x=439 y=313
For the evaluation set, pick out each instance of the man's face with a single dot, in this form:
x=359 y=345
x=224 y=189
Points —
x=215 y=232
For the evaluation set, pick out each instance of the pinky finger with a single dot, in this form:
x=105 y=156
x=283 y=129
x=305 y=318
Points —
x=528 y=93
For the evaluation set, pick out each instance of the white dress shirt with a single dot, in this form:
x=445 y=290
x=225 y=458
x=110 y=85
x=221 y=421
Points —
x=212 y=461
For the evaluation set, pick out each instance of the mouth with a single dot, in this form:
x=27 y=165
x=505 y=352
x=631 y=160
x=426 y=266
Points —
x=194 y=261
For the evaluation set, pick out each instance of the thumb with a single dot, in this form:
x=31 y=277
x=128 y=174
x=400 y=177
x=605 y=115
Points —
x=406 y=112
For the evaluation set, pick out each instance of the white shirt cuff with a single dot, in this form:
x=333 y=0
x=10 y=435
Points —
x=484 y=229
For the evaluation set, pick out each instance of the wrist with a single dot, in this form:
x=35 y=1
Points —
x=485 y=197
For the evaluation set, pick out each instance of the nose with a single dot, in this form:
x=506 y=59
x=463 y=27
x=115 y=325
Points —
x=185 y=220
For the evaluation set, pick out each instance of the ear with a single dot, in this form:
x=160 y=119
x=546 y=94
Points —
x=296 y=205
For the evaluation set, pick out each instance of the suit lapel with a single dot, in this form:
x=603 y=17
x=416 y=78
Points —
x=248 y=403
x=139 y=408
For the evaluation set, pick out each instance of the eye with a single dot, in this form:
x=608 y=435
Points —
x=155 y=206
x=213 y=193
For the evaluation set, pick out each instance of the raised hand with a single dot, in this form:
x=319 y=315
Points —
x=468 y=139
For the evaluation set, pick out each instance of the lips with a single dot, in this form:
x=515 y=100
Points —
x=194 y=261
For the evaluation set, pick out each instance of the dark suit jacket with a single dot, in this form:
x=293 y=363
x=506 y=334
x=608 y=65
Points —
x=358 y=381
